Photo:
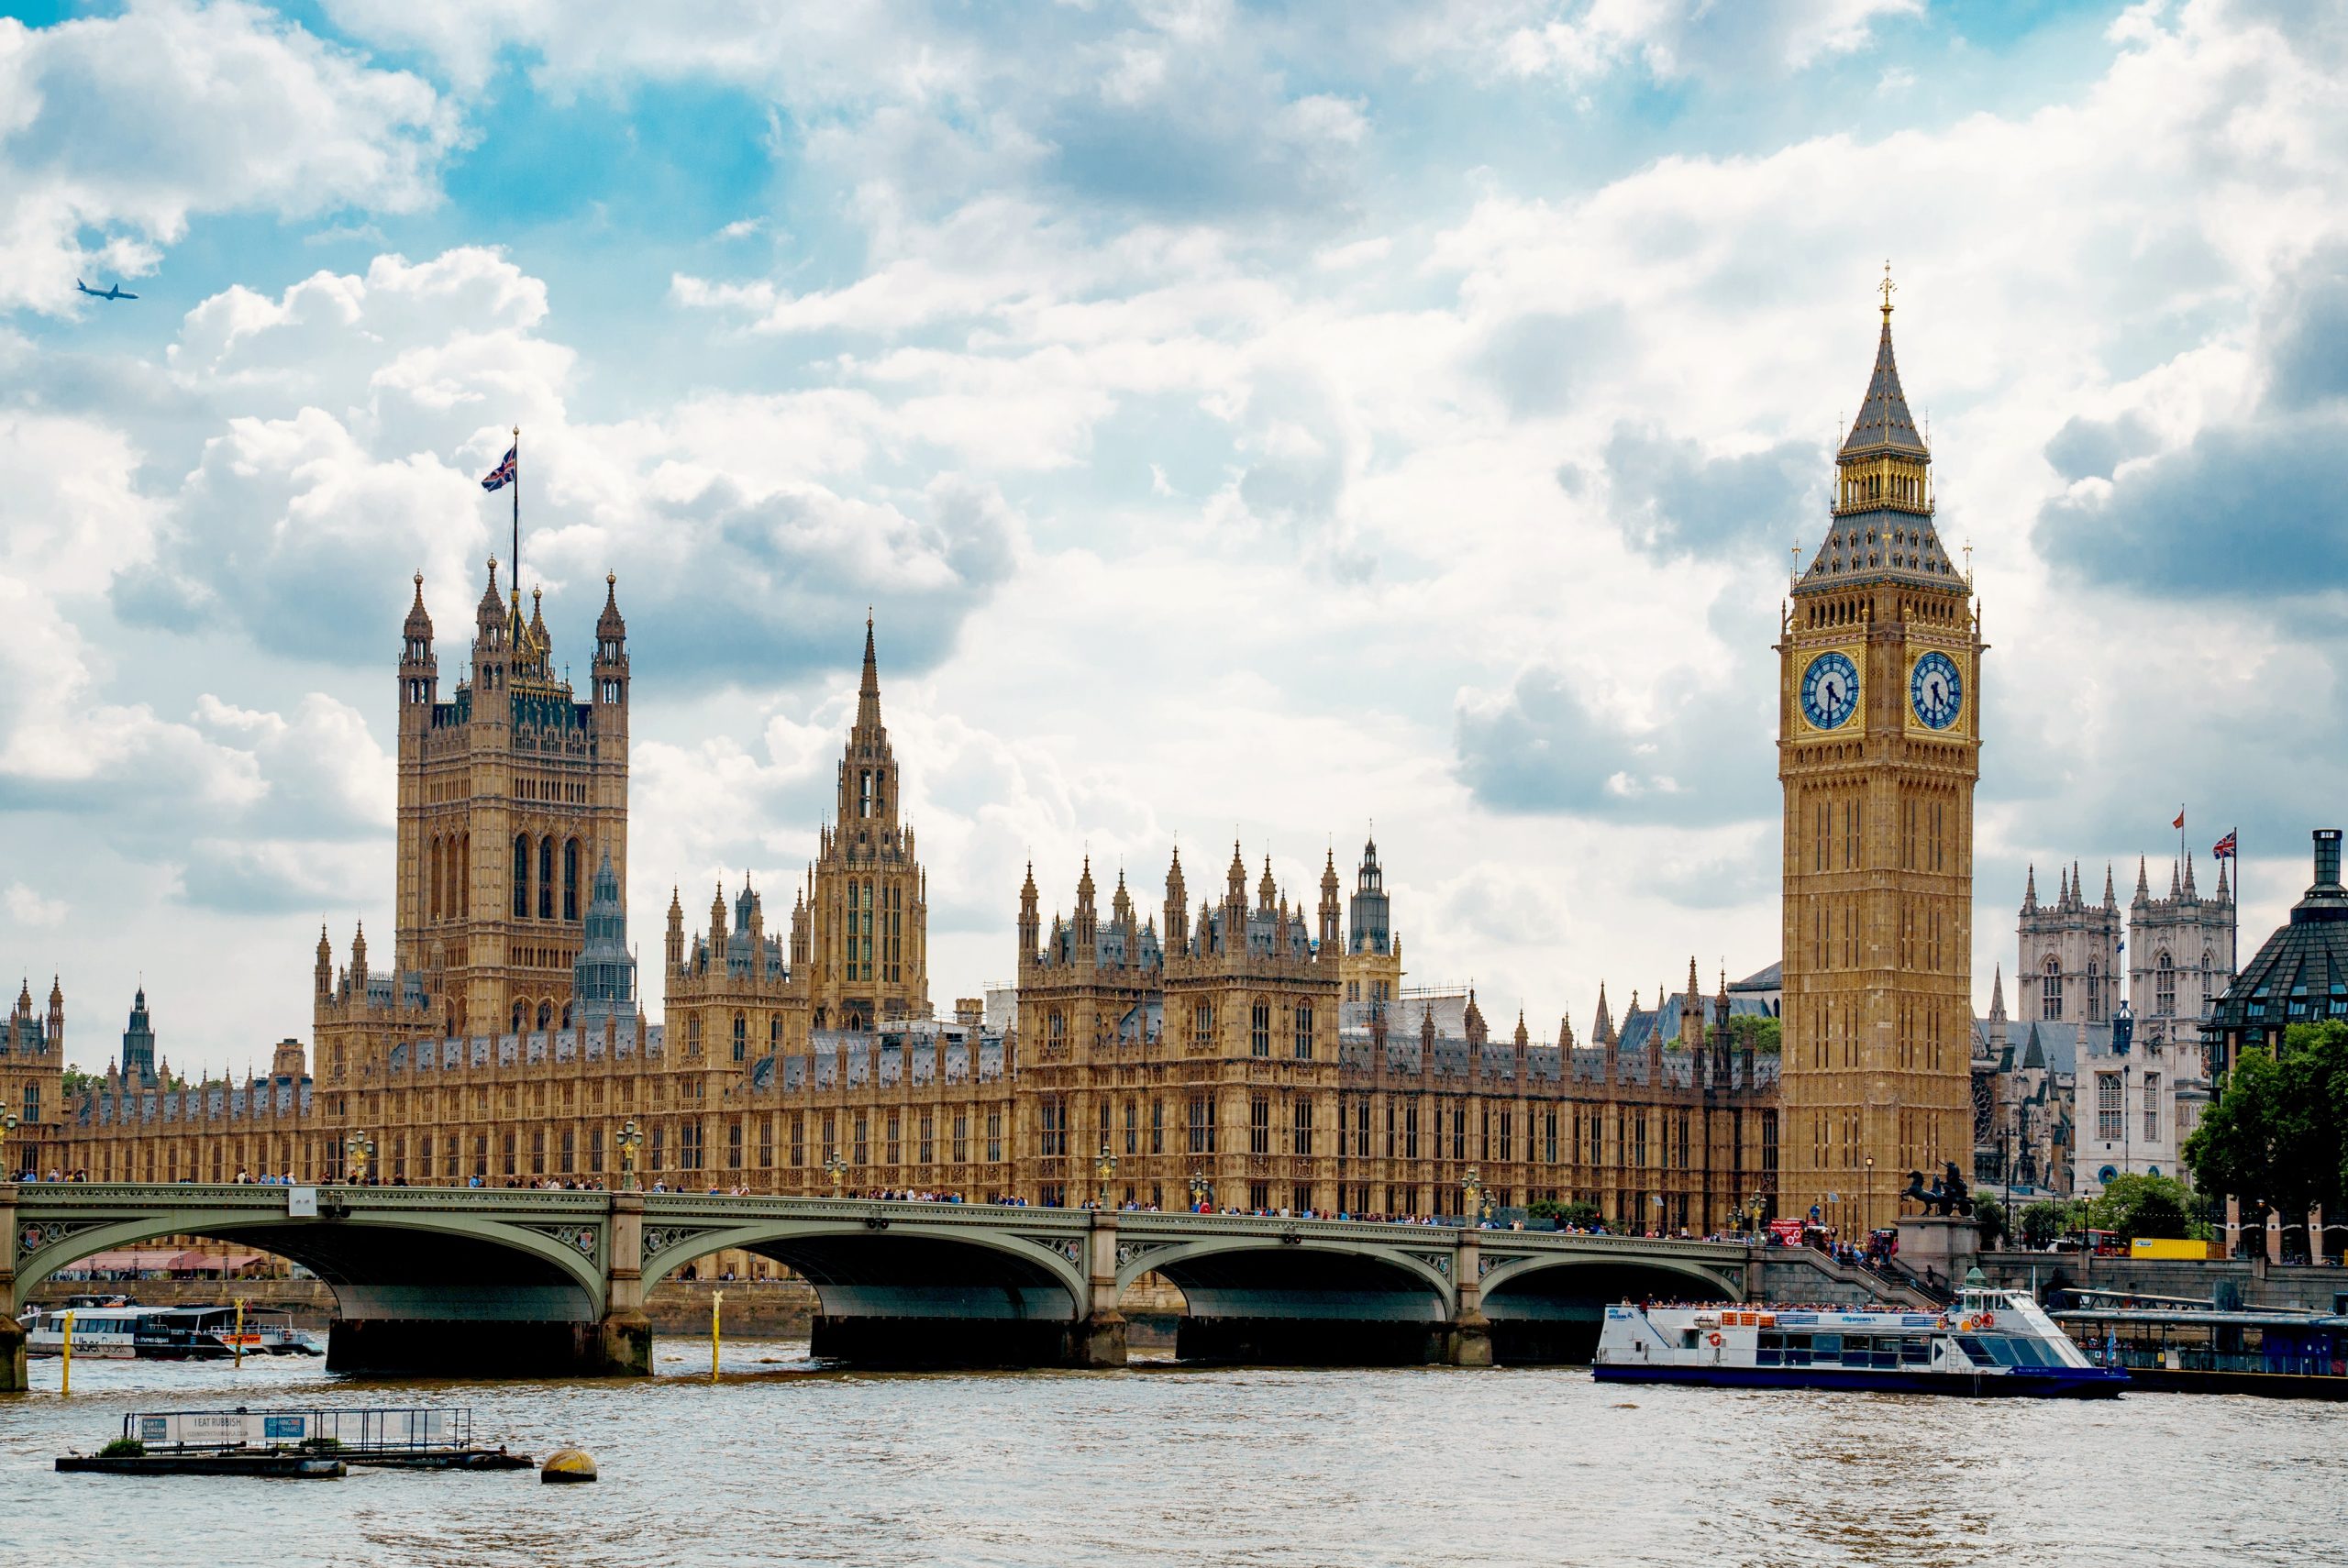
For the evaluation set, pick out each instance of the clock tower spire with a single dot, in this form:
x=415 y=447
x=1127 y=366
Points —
x=1879 y=750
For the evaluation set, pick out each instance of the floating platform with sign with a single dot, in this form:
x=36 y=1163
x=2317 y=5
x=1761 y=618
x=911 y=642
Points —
x=293 y=1443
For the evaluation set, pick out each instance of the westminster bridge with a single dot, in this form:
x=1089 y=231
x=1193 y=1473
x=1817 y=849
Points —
x=529 y=1281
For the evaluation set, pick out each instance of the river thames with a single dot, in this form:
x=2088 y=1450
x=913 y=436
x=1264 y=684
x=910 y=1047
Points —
x=779 y=1463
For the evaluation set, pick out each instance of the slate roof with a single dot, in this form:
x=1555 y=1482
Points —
x=1884 y=424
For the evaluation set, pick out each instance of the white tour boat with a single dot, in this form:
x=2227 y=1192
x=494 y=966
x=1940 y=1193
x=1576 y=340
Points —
x=1989 y=1343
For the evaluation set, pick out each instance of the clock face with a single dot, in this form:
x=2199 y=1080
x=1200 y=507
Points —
x=1936 y=691
x=1830 y=690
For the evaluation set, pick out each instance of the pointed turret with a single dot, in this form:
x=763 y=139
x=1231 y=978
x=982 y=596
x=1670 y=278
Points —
x=2144 y=887
x=1565 y=1032
x=2225 y=894
x=1178 y=903
x=1266 y=890
x=868 y=691
x=322 y=974
x=419 y=676
x=1601 y=1027
x=1998 y=994
x=1235 y=880
x=2176 y=881
x=1031 y=921
x=2188 y=875
x=2030 y=892
x=2109 y=901
x=676 y=943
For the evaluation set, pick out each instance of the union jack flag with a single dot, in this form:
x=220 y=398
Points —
x=2224 y=848
x=502 y=474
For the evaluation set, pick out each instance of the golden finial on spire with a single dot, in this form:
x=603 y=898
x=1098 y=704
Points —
x=1888 y=286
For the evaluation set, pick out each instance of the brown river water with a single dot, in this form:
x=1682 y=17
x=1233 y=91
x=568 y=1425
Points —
x=781 y=1463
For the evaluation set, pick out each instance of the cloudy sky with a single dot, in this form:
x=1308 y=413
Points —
x=1243 y=419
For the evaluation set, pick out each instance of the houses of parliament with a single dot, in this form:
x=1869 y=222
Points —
x=1240 y=1043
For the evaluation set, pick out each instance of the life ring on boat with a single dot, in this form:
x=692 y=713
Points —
x=1988 y=1319
x=1968 y=1324
x=1714 y=1342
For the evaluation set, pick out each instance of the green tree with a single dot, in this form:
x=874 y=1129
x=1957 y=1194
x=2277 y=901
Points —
x=1576 y=1212
x=1991 y=1215
x=2277 y=1137
x=2135 y=1206
x=1766 y=1035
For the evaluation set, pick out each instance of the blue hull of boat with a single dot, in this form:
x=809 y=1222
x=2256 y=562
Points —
x=2038 y=1383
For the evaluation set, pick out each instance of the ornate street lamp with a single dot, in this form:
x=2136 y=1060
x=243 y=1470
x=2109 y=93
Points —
x=1472 y=1187
x=1107 y=1167
x=9 y=1124
x=836 y=1168
x=1867 y=1201
x=358 y=1149
x=1199 y=1189
x=629 y=1140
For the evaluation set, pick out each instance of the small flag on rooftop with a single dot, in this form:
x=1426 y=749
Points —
x=503 y=474
x=2224 y=848
x=2178 y=824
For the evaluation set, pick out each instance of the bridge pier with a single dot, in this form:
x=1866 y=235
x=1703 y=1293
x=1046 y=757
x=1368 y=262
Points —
x=1467 y=1340
x=12 y=1334
x=622 y=1346
x=1100 y=1339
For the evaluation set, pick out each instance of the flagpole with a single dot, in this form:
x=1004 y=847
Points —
x=517 y=511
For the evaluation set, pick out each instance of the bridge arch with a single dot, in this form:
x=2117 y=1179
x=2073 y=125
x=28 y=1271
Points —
x=384 y=1264
x=1646 y=1276
x=1315 y=1277
x=895 y=1291
x=1547 y=1308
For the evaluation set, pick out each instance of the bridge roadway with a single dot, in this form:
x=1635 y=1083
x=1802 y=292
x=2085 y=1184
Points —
x=529 y=1282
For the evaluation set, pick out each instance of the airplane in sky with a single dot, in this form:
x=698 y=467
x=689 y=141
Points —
x=113 y=291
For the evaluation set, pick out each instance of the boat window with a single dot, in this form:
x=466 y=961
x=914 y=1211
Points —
x=1797 y=1350
x=1914 y=1351
x=1770 y=1349
x=1827 y=1349
x=1687 y=1339
x=1974 y=1351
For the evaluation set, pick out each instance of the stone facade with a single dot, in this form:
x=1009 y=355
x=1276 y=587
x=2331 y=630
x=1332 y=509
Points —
x=1878 y=753
x=32 y=1081
x=2069 y=970
x=1252 y=1048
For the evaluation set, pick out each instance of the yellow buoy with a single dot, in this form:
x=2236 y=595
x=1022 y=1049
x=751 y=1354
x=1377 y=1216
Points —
x=567 y=1465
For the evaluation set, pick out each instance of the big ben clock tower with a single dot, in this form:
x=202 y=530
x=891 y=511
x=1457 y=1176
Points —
x=1879 y=749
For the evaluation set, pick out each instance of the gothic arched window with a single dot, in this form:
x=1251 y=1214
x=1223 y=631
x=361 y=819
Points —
x=741 y=1037
x=521 y=875
x=2164 y=986
x=570 y=879
x=546 y=878
x=2095 y=993
x=1304 y=1032
x=2049 y=991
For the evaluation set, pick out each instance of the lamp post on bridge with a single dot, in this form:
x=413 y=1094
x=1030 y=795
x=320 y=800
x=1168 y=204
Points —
x=1198 y=1190
x=358 y=1149
x=836 y=1168
x=1472 y=1187
x=1107 y=1168
x=629 y=1139
x=9 y=1124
